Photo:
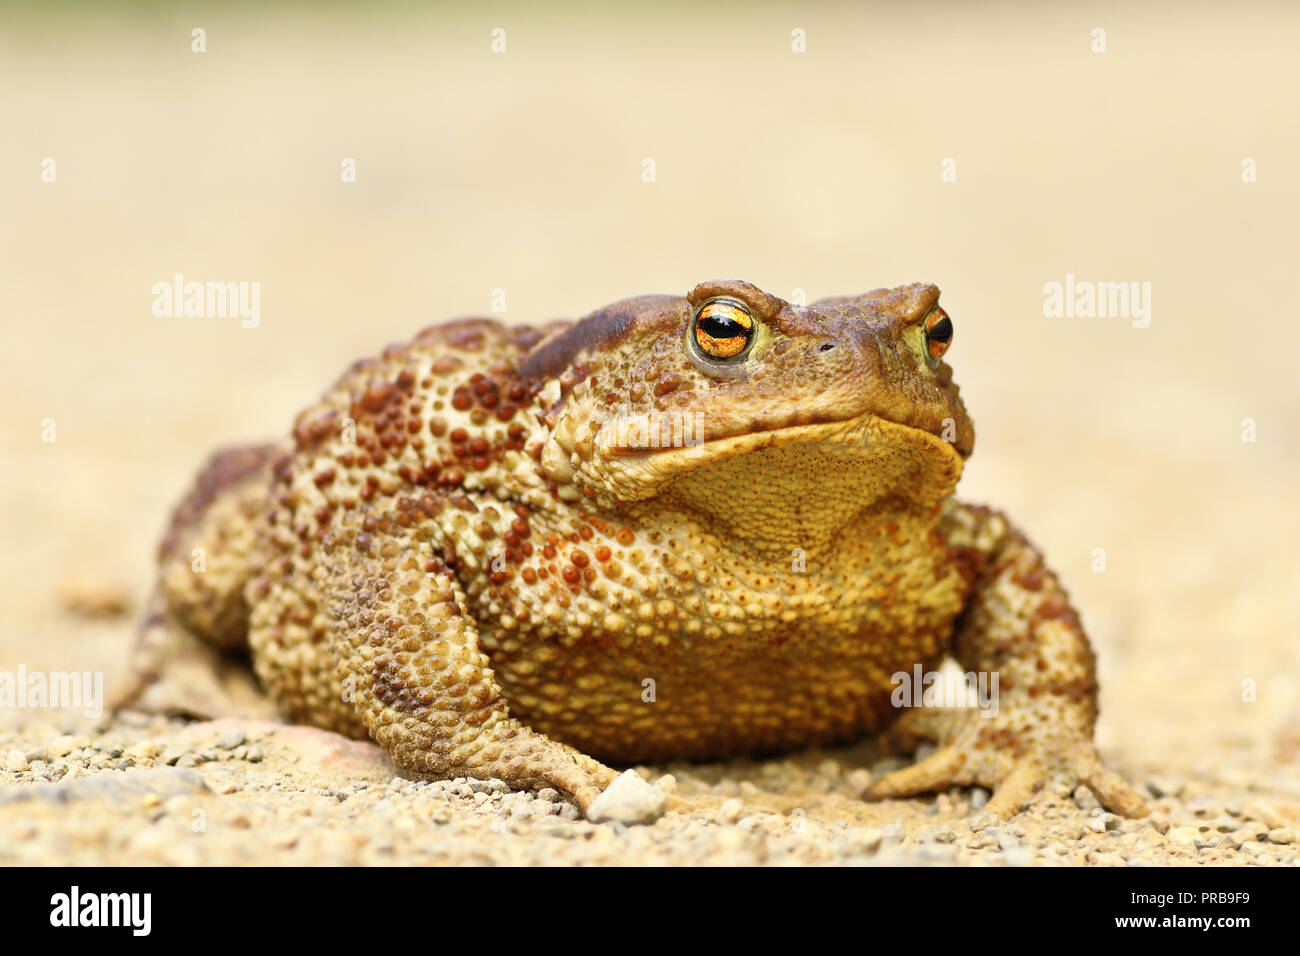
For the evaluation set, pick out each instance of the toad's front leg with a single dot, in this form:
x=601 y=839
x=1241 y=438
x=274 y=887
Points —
x=410 y=660
x=1019 y=625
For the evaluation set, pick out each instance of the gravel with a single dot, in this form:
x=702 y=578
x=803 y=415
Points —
x=629 y=799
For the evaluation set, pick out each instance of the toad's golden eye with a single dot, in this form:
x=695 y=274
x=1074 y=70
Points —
x=722 y=330
x=938 y=334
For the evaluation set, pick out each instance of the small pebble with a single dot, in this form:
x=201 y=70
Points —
x=1164 y=787
x=93 y=598
x=1085 y=799
x=15 y=761
x=861 y=840
x=555 y=826
x=142 y=750
x=939 y=834
x=1259 y=810
x=629 y=799
x=66 y=744
x=858 y=780
x=231 y=739
x=893 y=833
x=730 y=811
x=667 y=783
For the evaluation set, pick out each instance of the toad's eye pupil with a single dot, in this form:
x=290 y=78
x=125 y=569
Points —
x=717 y=326
x=938 y=333
x=722 y=330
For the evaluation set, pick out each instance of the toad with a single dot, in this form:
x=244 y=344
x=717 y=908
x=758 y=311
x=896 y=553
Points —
x=678 y=528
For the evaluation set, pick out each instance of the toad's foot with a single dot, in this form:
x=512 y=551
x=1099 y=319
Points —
x=1015 y=762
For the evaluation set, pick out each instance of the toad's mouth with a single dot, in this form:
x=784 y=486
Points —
x=686 y=434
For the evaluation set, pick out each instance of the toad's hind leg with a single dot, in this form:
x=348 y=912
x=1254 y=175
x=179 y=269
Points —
x=426 y=692
x=1018 y=626
x=173 y=670
x=190 y=654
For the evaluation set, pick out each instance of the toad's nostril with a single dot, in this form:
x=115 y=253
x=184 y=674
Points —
x=826 y=347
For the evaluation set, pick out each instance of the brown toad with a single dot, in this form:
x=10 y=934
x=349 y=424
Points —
x=678 y=528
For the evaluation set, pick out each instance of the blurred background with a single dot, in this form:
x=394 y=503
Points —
x=525 y=170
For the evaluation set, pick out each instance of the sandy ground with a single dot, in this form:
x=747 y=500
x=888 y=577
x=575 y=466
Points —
x=523 y=172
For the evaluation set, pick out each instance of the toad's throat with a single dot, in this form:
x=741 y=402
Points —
x=777 y=492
